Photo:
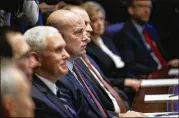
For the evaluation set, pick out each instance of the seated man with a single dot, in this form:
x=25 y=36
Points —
x=48 y=47
x=105 y=95
x=15 y=92
x=138 y=41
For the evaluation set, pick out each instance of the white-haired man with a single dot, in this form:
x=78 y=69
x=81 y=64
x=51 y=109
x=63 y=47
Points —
x=48 y=47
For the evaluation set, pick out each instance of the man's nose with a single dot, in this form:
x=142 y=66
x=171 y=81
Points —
x=66 y=54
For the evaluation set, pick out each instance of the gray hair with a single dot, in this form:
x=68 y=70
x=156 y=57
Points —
x=35 y=37
x=8 y=80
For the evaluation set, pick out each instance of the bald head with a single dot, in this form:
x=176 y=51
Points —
x=62 y=19
x=72 y=27
x=82 y=12
x=76 y=9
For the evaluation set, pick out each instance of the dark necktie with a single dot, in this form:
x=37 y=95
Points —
x=108 y=87
x=154 y=48
x=79 y=77
x=66 y=105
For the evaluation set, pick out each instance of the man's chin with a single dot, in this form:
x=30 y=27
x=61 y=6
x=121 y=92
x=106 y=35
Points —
x=142 y=22
x=83 y=53
x=64 y=72
x=29 y=76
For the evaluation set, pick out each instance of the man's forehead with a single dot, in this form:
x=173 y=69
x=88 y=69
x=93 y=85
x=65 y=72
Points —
x=55 y=39
x=19 y=45
x=77 y=21
x=142 y=1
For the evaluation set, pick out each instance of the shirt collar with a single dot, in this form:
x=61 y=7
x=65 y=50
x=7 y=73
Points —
x=139 y=28
x=70 y=65
x=50 y=85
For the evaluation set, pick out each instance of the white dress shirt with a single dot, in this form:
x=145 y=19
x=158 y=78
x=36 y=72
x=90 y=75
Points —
x=116 y=59
x=70 y=67
x=50 y=85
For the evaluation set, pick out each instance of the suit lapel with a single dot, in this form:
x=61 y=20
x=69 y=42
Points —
x=108 y=42
x=87 y=72
x=91 y=79
x=98 y=55
x=135 y=36
x=74 y=81
x=39 y=95
x=47 y=92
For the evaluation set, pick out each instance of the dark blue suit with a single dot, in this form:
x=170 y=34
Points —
x=116 y=76
x=133 y=51
x=81 y=100
x=47 y=104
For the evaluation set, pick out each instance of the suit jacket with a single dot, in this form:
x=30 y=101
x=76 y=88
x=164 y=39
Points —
x=115 y=75
x=108 y=80
x=103 y=96
x=47 y=104
x=133 y=51
x=83 y=104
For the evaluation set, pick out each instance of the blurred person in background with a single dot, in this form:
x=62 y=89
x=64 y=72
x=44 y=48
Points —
x=16 y=99
x=139 y=42
x=101 y=47
x=105 y=54
x=14 y=46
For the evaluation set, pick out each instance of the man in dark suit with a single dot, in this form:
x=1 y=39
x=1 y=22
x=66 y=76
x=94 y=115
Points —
x=138 y=41
x=14 y=46
x=73 y=33
x=48 y=47
x=75 y=46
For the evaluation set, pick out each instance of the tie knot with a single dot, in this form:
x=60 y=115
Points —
x=144 y=30
x=58 y=93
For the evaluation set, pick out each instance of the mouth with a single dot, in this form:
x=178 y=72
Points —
x=84 y=46
x=64 y=65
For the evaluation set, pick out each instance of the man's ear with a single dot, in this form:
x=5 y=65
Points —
x=9 y=106
x=36 y=58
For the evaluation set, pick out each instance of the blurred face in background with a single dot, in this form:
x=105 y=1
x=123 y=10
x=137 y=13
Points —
x=140 y=10
x=98 y=23
x=24 y=103
x=18 y=103
x=21 y=53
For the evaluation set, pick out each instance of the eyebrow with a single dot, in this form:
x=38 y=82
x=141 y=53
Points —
x=79 y=27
